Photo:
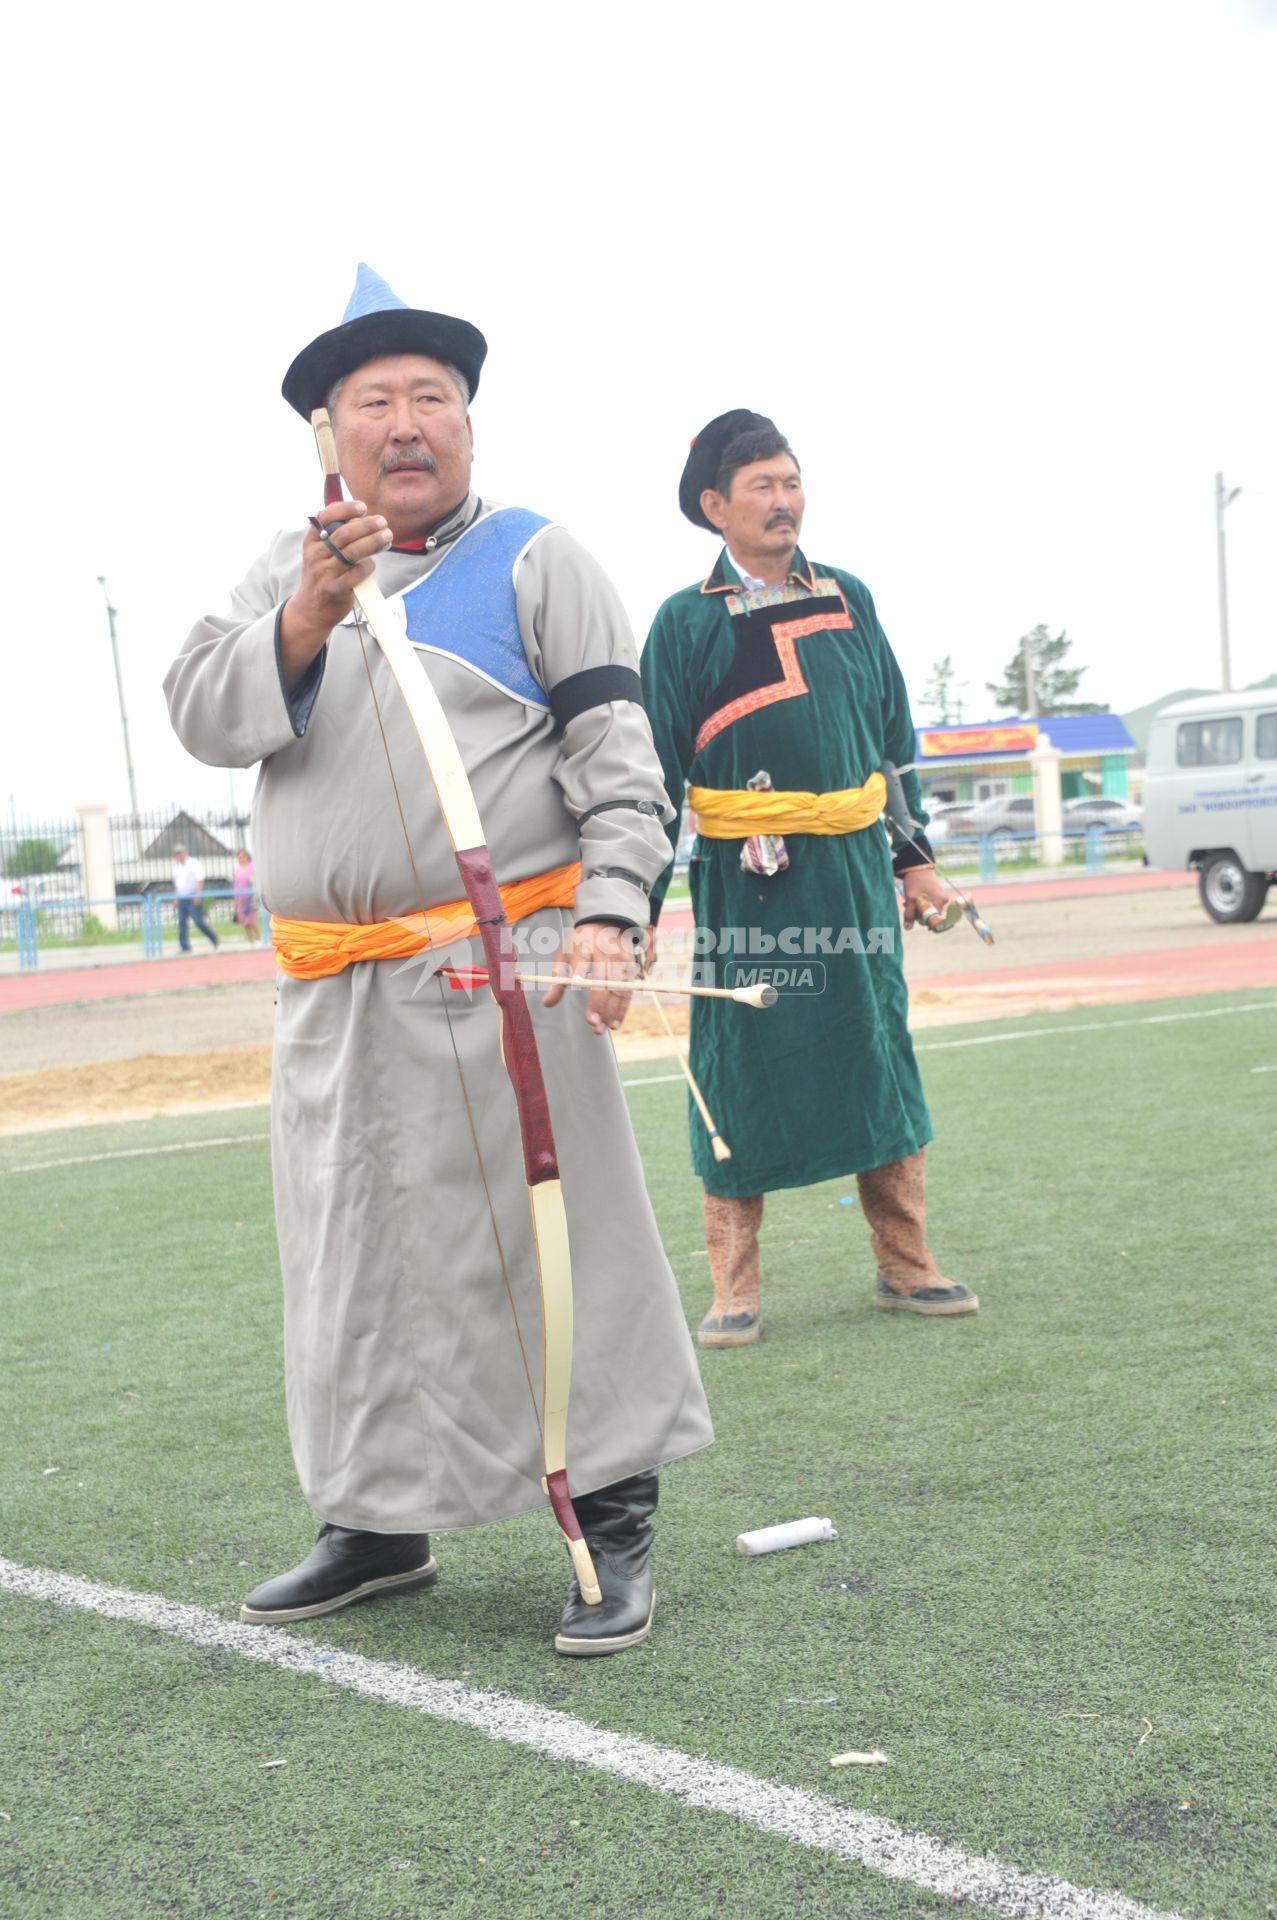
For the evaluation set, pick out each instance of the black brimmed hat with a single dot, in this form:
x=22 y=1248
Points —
x=376 y=321
x=706 y=457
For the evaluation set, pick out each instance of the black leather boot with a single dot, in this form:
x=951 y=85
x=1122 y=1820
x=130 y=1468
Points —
x=343 y=1566
x=617 y=1524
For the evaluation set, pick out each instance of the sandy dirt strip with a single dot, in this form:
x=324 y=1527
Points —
x=123 y=1042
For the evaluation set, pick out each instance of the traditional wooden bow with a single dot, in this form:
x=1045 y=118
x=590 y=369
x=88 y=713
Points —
x=518 y=1042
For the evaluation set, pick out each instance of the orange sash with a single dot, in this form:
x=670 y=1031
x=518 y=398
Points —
x=314 y=949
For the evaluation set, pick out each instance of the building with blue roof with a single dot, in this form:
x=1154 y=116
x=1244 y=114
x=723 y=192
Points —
x=976 y=762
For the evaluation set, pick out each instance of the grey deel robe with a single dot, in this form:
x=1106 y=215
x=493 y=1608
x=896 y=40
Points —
x=408 y=1400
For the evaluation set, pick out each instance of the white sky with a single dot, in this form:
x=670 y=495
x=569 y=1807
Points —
x=1003 y=272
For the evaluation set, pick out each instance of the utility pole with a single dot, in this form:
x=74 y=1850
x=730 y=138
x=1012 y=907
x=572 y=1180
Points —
x=1030 y=691
x=124 y=718
x=1223 y=499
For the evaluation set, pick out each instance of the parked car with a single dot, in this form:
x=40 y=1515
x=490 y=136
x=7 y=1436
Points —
x=950 y=820
x=1101 y=810
x=1003 y=814
x=41 y=890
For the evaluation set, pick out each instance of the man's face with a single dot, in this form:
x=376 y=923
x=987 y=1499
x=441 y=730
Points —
x=762 y=515
x=404 y=441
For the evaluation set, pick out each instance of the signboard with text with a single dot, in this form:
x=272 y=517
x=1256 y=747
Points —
x=1017 y=737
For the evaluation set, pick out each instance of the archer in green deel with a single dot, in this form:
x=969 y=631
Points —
x=775 y=704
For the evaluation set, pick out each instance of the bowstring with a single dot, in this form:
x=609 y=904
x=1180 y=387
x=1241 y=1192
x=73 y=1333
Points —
x=360 y=632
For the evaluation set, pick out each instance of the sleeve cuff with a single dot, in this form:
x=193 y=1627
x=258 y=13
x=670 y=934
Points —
x=917 y=855
x=609 y=897
x=302 y=698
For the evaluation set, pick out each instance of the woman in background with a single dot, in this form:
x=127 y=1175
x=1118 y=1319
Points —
x=244 y=895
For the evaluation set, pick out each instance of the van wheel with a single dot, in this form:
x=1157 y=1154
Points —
x=1228 y=891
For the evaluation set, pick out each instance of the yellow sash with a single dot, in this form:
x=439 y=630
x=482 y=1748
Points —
x=314 y=949
x=722 y=813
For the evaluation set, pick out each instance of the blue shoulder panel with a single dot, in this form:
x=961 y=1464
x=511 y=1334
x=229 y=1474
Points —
x=465 y=607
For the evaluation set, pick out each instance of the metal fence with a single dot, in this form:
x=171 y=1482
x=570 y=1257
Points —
x=42 y=856
x=990 y=853
x=142 y=847
x=46 y=905
x=43 y=848
x=73 y=929
x=105 y=883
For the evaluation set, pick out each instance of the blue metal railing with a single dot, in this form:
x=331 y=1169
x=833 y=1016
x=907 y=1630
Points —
x=26 y=920
x=28 y=937
x=63 y=918
x=1094 y=844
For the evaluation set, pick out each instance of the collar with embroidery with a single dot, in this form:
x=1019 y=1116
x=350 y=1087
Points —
x=726 y=576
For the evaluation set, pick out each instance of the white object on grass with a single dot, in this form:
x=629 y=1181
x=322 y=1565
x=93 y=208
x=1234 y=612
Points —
x=790 y=1533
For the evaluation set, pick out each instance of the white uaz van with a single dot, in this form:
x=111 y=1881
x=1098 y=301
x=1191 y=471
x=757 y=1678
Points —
x=1210 y=796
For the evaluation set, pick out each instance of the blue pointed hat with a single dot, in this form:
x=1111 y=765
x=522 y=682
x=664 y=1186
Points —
x=375 y=322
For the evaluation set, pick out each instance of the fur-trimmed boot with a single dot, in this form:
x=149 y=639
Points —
x=731 y=1241
x=617 y=1524
x=895 y=1205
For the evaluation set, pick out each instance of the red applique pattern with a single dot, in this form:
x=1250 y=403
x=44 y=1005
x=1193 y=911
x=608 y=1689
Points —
x=786 y=634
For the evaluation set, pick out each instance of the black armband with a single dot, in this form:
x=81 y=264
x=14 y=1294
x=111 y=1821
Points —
x=618 y=873
x=604 y=806
x=593 y=687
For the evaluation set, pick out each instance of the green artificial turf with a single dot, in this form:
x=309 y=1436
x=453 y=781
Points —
x=1055 y=1522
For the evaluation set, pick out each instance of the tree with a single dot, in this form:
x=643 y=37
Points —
x=1054 y=684
x=31 y=856
x=941 y=693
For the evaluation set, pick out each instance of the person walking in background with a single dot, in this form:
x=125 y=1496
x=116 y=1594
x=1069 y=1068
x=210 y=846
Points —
x=244 y=893
x=188 y=885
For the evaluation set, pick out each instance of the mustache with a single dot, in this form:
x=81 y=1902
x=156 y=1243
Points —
x=409 y=457
x=782 y=520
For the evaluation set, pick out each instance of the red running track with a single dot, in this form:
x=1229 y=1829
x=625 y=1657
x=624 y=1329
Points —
x=1214 y=967
x=1108 y=979
x=121 y=978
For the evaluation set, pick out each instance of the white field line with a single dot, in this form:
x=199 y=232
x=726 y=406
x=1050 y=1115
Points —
x=1096 y=1026
x=805 y=1818
x=1047 y=1033
x=665 y=1079
x=141 y=1153
x=1067 y=981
